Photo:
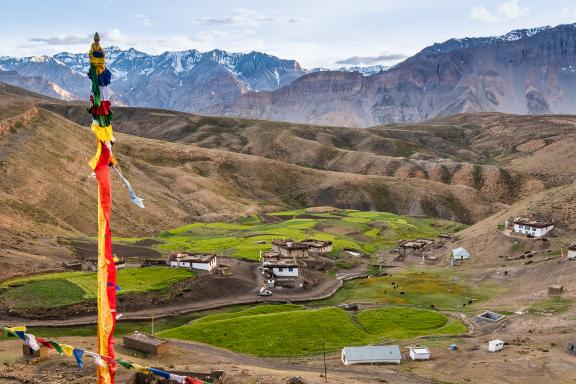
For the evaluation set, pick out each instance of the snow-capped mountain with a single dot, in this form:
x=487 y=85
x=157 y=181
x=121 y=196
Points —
x=474 y=42
x=529 y=71
x=366 y=71
x=186 y=80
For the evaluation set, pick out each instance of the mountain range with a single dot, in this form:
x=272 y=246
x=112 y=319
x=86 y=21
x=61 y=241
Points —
x=529 y=71
x=189 y=167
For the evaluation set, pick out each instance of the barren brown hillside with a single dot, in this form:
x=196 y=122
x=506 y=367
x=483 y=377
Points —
x=47 y=190
x=447 y=153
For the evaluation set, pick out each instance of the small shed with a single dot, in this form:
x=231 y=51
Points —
x=495 y=345
x=385 y=354
x=571 y=348
x=419 y=353
x=460 y=254
x=146 y=343
x=32 y=354
x=555 y=289
x=72 y=265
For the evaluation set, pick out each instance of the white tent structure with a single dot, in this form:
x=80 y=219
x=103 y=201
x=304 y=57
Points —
x=460 y=254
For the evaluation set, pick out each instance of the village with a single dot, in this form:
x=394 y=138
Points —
x=285 y=268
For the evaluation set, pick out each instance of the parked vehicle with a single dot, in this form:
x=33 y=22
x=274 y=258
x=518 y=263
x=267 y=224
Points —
x=264 y=292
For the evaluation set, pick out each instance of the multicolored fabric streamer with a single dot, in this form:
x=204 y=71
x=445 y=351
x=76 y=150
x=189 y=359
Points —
x=101 y=361
x=100 y=164
x=101 y=111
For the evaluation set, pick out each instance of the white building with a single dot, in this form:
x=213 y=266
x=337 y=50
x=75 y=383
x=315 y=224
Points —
x=460 y=254
x=419 y=353
x=571 y=252
x=536 y=228
x=199 y=261
x=282 y=268
x=386 y=354
x=495 y=345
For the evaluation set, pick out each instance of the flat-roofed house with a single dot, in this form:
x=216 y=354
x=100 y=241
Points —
x=289 y=248
x=277 y=266
x=318 y=247
x=385 y=354
x=536 y=228
x=199 y=261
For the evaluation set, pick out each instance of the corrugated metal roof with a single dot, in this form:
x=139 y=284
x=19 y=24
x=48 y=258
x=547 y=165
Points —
x=372 y=353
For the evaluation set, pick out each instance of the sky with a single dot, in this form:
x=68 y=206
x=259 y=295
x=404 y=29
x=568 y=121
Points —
x=316 y=33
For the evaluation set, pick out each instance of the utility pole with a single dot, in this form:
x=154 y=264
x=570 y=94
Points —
x=152 y=325
x=324 y=353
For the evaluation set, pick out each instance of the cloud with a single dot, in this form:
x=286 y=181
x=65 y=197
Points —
x=146 y=20
x=61 y=40
x=569 y=12
x=247 y=17
x=371 y=60
x=504 y=11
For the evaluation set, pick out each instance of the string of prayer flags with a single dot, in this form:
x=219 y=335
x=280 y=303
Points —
x=106 y=363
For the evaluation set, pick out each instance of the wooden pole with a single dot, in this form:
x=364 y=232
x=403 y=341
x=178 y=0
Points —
x=324 y=353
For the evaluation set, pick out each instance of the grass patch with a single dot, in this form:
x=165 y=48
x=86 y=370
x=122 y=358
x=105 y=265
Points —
x=66 y=288
x=344 y=229
x=554 y=305
x=43 y=294
x=258 y=310
x=300 y=332
x=440 y=289
x=402 y=323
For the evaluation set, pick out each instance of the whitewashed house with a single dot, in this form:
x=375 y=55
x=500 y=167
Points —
x=282 y=268
x=419 y=353
x=571 y=252
x=495 y=345
x=536 y=228
x=385 y=354
x=199 y=261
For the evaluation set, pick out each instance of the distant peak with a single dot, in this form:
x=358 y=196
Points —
x=521 y=33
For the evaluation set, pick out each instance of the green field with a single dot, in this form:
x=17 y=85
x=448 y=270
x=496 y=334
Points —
x=66 y=288
x=441 y=289
x=365 y=231
x=277 y=332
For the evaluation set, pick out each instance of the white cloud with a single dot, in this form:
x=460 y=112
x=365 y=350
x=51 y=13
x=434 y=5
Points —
x=248 y=17
x=512 y=10
x=60 y=40
x=480 y=13
x=569 y=12
x=146 y=20
x=371 y=60
x=504 y=11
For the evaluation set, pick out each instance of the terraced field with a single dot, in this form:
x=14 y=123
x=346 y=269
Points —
x=285 y=331
x=66 y=288
x=364 y=231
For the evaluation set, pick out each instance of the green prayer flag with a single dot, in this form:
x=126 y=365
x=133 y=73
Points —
x=56 y=346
